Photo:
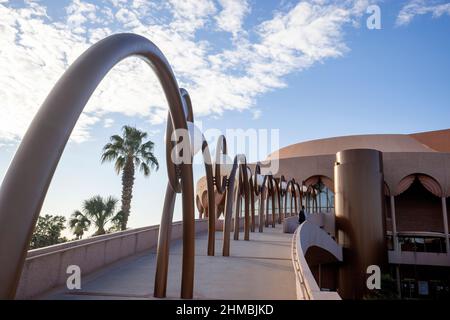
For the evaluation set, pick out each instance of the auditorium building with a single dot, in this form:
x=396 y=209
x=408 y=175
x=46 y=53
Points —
x=416 y=192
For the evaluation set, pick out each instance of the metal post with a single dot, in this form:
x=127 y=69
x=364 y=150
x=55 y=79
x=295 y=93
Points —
x=164 y=237
x=394 y=224
x=237 y=214
x=445 y=220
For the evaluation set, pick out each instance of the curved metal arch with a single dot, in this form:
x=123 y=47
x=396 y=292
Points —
x=221 y=148
x=257 y=188
x=209 y=177
x=266 y=188
x=26 y=182
x=163 y=248
x=251 y=191
x=299 y=192
x=291 y=189
x=260 y=191
x=278 y=199
x=240 y=163
x=282 y=210
x=272 y=193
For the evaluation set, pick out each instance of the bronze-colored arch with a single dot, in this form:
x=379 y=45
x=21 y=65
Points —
x=26 y=182
x=239 y=163
x=209 y=178
x=282 y=194
x=267 y=189
x=221 y=148
x=299 y=196
x=293 y=199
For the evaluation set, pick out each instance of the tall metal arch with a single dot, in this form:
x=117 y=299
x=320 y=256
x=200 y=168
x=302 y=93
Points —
x=27 y=180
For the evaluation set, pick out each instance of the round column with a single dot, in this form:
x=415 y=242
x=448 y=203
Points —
x=358 y=181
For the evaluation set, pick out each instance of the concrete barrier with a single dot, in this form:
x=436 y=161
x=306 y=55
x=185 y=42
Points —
x=45 y=268
x=309 y=234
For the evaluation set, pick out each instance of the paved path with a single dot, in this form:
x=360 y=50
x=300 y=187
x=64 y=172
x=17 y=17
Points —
x=257 y=269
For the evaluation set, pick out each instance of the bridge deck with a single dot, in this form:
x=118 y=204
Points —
x=257 y=269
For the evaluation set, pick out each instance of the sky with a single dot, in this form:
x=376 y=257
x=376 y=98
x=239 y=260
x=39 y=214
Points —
x=309 y=69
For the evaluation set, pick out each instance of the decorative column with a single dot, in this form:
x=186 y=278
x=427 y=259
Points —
x=445 y=219
x=358 y=178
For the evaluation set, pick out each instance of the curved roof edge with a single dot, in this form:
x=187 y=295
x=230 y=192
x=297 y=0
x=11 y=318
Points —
x=433 y=141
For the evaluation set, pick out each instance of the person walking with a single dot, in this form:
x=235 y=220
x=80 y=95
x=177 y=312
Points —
x=301 y=215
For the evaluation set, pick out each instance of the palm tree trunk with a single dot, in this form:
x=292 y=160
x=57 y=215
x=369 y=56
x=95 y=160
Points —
x=127 y=190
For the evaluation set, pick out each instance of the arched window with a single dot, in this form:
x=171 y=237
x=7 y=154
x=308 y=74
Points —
x=320 y=196
x=418 y=204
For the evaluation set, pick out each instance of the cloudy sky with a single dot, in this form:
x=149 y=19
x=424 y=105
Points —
x=311 y=69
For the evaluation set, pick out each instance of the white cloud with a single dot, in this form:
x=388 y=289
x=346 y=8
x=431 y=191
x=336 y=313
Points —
x=421 y=7
x=108 y=122
x=232 y=15
x=36 y=50
x=191 y=15
x=256 y=114
x=79 y=13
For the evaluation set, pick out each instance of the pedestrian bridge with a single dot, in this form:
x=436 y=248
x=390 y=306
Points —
x=122 y=265
x=258 y=269
x=126 y=264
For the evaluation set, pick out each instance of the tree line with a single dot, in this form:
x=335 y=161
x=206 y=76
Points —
x=130 y=151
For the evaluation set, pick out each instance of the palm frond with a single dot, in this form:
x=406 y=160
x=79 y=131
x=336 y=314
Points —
x=120 y=164
x=144 y=168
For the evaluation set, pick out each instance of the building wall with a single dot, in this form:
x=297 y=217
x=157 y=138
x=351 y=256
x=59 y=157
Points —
x=418 y=210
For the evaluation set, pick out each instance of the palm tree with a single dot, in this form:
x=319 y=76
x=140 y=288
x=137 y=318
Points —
x=79 y=224
x=129 y=152
x=96 y=210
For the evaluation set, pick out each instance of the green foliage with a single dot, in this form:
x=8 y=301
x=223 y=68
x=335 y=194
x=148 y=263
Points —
x=79 y=224
x=96 y=211
x=117 y=222
x=48 y=231
x=129 y=152
x=130 y=146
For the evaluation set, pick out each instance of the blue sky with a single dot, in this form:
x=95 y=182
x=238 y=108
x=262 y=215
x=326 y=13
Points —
x=311 y=69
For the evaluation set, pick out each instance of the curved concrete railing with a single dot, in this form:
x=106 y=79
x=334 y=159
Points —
x=45 y=268
x=307 y=235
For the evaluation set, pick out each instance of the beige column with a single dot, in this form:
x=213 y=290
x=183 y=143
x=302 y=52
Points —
x=394 y=224
x=444 y=214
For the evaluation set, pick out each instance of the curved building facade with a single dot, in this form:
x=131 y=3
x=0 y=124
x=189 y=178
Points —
x=415 y=201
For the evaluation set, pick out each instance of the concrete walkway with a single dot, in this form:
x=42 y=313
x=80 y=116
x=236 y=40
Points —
x=257 y=269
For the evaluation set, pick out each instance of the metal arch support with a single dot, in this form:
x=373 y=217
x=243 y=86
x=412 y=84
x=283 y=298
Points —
x=267 y=189
x=278 y=198
x=271 y=189
x=243 y=190
x=299 y=196
x=291 y=189
x=163 y=248
x=209 y=176
x=252 y=205
x=221 y=148
x=282 y=210
x=26 y=182
x=240 y=164
x=211 y=199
